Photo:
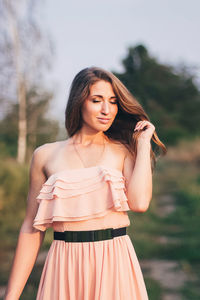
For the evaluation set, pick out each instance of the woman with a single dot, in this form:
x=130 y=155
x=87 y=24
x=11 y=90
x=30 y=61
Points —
x=83 y=187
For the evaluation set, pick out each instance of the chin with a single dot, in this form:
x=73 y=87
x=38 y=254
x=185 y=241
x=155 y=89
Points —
x=104 y=126
x=100 y=127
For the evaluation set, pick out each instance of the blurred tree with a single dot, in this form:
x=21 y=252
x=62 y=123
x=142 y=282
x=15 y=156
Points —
x=170 y=96
x=25 y=54
x=40 y=128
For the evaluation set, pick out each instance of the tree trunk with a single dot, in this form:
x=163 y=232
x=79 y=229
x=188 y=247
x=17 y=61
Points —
x=22 y=123
x=20 y=83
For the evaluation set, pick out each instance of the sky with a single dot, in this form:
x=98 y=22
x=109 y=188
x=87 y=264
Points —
x=98 y=33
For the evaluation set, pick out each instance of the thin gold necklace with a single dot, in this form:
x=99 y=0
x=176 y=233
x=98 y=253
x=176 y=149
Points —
x=80 y=156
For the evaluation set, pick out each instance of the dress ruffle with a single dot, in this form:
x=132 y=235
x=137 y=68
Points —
x=80 y=194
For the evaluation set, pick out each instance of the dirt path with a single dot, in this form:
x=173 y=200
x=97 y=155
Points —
x=168 y=273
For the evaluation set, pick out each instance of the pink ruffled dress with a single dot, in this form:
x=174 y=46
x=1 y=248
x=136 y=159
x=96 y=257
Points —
x=88 y=199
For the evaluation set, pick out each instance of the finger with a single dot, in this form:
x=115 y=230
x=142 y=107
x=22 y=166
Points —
x=144 y=123
x=141 y=125
x=138 y=123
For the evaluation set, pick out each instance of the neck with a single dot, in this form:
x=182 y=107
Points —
x=86 y=138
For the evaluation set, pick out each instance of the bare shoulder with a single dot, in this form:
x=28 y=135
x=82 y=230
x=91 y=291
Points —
x=121 y=148
x=47 y=148
x=39 y=157
x=42 y=152
x=118 y=147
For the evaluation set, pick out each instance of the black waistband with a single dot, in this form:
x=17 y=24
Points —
x=89 y=235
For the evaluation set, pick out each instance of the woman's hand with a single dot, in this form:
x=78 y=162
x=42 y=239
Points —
x=147 y=129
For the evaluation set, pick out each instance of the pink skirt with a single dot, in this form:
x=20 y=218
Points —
x=101 y=270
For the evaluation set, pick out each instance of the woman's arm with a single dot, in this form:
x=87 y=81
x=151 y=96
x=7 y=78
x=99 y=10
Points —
x=138 y=171
x=139 y=178
x=29 y=239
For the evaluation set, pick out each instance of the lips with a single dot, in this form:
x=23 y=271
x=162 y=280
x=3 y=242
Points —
x=104 y=120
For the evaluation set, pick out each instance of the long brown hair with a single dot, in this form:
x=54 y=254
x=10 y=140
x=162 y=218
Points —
x=129 y=113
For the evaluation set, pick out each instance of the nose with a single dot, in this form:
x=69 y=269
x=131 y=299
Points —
x=105 y=107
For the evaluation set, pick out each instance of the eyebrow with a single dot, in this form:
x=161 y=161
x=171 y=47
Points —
x=100 y=96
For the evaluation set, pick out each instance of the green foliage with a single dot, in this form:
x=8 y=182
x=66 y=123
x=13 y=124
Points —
x=169 y=96
x=190 y=292
x=40 y=128
x=13 y=191
x=14 y=180
x=187 y=218
x=154 y=289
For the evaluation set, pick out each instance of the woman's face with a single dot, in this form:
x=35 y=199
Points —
x=100 y=108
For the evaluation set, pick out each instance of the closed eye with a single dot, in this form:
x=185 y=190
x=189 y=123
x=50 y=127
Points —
x=95 y=101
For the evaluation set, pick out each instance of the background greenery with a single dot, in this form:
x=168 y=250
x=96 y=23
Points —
x=166 y=237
